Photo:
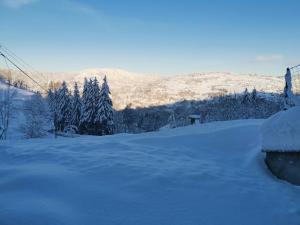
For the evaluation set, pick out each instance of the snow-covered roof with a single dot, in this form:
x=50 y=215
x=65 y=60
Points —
x=281 y=132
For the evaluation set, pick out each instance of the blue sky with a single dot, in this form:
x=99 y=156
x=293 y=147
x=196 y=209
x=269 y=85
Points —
x=154 y=37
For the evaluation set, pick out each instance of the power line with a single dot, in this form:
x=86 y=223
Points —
x=295 y=70
x=21 y=61
x=26 y=74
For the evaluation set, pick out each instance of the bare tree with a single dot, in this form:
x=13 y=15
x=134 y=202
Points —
x=6 y=109
x=36 y=117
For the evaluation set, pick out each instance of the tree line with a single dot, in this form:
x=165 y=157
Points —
x=246 y=105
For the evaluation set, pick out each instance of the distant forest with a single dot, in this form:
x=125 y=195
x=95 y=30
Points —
x=246 y=105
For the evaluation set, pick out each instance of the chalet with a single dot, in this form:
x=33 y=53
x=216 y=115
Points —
x=198 y=118
x=194 y=119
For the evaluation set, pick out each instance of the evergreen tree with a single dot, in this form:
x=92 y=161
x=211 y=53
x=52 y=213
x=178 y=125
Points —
x=76 y=108
x=105 y=113
x=95 y=96
x=52 y=103
x=95 y=92
x=254 y=95
x=63 y=107
x=87 y=108
x=246 y=97
x=51 y=100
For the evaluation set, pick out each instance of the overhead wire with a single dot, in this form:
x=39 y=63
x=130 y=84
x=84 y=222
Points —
x=22 y=71
x=22 y=62
x=295 y=71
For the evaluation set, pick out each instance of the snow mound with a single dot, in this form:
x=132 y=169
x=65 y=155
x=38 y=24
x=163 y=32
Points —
x=208 y=174
x=281 y=132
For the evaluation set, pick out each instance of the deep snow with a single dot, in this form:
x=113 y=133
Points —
x=211 y=174
x=281 y=132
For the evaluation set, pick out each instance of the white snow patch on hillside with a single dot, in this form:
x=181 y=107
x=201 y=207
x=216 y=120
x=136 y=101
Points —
x=207 y=174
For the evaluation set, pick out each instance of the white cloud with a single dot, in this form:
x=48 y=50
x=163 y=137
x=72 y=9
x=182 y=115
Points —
x=268 y=58
x=17 y=3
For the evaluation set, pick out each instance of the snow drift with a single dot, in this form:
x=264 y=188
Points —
x=281 y=131
x=207 y=174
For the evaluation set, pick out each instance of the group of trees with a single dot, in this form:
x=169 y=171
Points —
x=91 y=113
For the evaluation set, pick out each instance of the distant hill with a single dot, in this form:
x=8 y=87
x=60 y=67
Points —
x=141 y=90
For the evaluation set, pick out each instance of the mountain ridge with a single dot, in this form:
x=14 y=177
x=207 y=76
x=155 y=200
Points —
x=141 y=90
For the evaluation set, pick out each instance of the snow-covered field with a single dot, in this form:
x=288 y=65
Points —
x=213 y=174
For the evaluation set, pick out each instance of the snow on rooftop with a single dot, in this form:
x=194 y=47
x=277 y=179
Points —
x=281 y=132
x=194 y=116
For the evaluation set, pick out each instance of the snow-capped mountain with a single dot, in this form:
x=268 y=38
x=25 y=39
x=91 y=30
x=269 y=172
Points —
x=142 y=90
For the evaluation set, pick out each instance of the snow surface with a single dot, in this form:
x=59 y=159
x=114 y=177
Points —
x=281 y=132
x=211 y=174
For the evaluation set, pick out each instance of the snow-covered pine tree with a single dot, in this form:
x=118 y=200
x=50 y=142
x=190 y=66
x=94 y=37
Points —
x=52 y=102
x=50 y=99
x=76 y=108
x=87 y=109
x=55 y=111
x=246 y=97
x=63 y=107
x=95 y=91
x=254 y=94
x=105 y=114
x=95 y=95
